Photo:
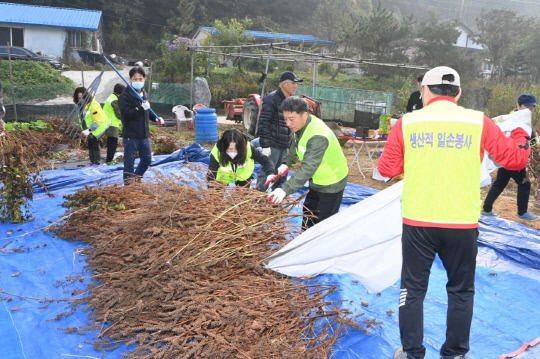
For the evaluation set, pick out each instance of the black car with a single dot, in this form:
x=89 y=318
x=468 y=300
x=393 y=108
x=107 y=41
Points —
x=20 y=53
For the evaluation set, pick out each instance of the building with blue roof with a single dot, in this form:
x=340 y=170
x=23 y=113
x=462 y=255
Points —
x=49 y=29
x=294 y=40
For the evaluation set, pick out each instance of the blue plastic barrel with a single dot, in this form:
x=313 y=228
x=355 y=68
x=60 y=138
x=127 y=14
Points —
x=206 y=128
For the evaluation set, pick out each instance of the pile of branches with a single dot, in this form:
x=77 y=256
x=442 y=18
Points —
x=177 y=272
x=533 y=166
x=23 y=154
x=39 y=145
x=16 y=178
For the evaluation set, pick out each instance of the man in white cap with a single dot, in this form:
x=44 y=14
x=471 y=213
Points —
x=439 y=149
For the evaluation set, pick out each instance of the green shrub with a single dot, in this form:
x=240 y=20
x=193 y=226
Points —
x=38 y=126
x=326 y=69
x=34 y=80
x=503 y=99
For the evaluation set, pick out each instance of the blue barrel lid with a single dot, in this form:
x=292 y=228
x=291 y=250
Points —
x=206 y=110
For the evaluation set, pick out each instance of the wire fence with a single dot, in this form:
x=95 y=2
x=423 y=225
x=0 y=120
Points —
x=170 y=93
x=345 y=104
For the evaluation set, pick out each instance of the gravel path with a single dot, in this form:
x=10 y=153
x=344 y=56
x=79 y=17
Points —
x=108 y=80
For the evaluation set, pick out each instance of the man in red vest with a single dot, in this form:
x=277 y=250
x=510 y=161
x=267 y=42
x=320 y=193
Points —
x=439 y=149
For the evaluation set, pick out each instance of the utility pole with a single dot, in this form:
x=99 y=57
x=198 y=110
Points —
x=461 y=10
x=11 y=83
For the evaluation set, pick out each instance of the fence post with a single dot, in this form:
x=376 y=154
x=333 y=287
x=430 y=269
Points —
x=191 y=79
x=150 y=80
x=11 y=82
x=263 y=88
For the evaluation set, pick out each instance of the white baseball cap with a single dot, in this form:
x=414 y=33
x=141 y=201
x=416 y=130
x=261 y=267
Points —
x=435 y=76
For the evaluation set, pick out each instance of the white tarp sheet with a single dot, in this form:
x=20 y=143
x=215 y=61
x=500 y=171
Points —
x=507 y=123
x=363 y=240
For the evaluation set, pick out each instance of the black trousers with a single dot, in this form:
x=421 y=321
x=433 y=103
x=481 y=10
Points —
x=93 y=149
x=503 y=177
x=112 y=144
x=457 y=249
x=321 y=205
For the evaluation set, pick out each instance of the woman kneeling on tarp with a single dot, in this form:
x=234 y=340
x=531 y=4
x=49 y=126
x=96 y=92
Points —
x=233 y=160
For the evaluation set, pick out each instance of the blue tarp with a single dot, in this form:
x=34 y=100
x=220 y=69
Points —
x=32 y=261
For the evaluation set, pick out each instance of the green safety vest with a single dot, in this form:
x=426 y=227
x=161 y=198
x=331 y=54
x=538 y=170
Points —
x=109 y=111
x=442 y=165
x=333 y=167
x=95 y=114
x=243 y=172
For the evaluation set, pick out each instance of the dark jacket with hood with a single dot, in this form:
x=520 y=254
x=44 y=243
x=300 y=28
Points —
x=273 y=130
x=134 y=117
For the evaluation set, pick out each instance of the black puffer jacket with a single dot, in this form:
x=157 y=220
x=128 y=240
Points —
x=273 y=131
x=134 y=117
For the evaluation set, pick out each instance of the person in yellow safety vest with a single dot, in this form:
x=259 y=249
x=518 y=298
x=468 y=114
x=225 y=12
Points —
x=92 y=120
x=113 y=112
x=233 y=160
x=440 y=149
x=322 y=163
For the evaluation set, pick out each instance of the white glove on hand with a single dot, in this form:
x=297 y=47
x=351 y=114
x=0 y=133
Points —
x=160 y=120
x=266 y=151
x=145 y=105
x=276 y=196
x=282 y=170
x=270 y=179
x=85 y=133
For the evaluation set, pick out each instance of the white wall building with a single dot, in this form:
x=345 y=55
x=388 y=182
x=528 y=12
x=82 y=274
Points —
x=47 y=29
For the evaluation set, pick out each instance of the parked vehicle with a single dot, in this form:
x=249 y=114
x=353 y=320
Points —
x=20 y=53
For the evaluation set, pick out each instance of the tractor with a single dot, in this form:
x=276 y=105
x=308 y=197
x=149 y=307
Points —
x=247 y=110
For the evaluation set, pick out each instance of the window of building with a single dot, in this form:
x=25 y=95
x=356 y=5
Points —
x=17 y=37
x=12 y=35
x=5 y=36
x=75 y=39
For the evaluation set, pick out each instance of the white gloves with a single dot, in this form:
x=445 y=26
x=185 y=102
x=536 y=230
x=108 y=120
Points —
x=145 y=105
x=160 y=120
x=85 y=133
x=266 y=151
x=282 y=170
x=276 y=196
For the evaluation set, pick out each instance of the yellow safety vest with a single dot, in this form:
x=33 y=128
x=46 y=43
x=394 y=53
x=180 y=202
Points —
x=226 y=174
x=109 y=110
x=442 y=166
x=333 y=167
x=95 y=114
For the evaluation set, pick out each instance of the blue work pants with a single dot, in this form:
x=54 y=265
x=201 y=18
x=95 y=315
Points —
x=131 y=147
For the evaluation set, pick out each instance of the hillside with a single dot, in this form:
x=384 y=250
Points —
x=465 y=10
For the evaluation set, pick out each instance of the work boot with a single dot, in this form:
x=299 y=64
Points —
x=489 y=214
x=400 y=354
x=528 y=216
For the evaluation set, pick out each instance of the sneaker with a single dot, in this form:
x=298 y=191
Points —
x=528 y=216
x=400 y=354
x=90 y=164
x=489 y=214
